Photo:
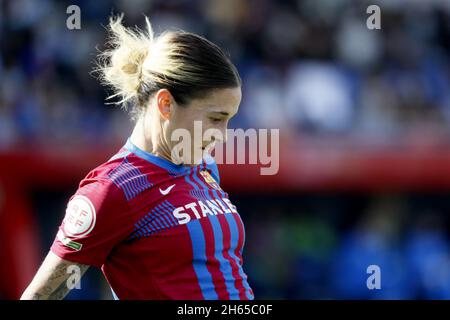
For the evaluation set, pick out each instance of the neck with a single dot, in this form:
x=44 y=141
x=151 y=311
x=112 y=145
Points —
x=149 y=140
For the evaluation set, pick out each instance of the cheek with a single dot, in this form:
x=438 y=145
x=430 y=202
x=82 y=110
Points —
x=178 y=125
x=184 y=134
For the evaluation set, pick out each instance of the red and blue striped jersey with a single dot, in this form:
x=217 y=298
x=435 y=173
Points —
x=156 y=229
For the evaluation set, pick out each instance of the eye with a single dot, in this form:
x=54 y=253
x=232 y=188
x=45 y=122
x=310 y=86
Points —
x=216 y=120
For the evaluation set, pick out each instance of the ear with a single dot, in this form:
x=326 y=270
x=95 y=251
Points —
x=164 y=102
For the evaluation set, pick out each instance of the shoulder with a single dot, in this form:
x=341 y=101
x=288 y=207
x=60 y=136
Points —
x=99 y=202
x=122 y=177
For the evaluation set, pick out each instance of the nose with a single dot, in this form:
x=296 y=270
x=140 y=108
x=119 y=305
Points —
x=216 y=135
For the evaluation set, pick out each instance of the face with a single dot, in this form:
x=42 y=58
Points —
x=203 y=123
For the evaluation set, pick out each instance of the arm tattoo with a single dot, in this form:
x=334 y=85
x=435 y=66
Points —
x=59 y=271
x=60 y=292
x=36 y=296
x=57 y=288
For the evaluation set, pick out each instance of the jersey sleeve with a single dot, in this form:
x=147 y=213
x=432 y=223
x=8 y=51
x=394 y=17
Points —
x=96 y=219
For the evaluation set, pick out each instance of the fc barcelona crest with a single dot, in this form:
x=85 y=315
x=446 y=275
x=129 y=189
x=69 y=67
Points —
x=209 y=179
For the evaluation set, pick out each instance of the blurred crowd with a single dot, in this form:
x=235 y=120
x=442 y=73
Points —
x=309 y=67
x=319 y=247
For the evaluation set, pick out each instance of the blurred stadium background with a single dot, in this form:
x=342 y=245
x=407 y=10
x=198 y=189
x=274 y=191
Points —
x=365 y=148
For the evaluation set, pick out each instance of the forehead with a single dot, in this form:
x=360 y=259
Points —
x=225 y=100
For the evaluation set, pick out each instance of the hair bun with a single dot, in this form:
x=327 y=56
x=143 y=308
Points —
x=120 y=66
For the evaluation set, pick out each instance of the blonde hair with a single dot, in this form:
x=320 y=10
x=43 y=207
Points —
x=138 y=63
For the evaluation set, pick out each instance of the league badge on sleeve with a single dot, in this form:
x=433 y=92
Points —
x=80 y=217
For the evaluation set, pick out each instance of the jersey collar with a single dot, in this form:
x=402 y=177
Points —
x=161 y=162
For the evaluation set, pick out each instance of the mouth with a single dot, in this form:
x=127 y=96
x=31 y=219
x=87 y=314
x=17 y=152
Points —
x=208 y=147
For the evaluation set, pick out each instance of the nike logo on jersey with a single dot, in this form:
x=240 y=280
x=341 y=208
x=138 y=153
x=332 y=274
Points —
x=166 y=191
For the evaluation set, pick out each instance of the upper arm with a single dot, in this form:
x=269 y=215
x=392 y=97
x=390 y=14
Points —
x=54 y=279
x=97 y=219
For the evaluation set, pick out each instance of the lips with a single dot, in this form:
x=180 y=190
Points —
x=209 y=146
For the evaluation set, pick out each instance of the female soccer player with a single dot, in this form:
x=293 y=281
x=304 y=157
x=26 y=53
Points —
x=158 y=225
